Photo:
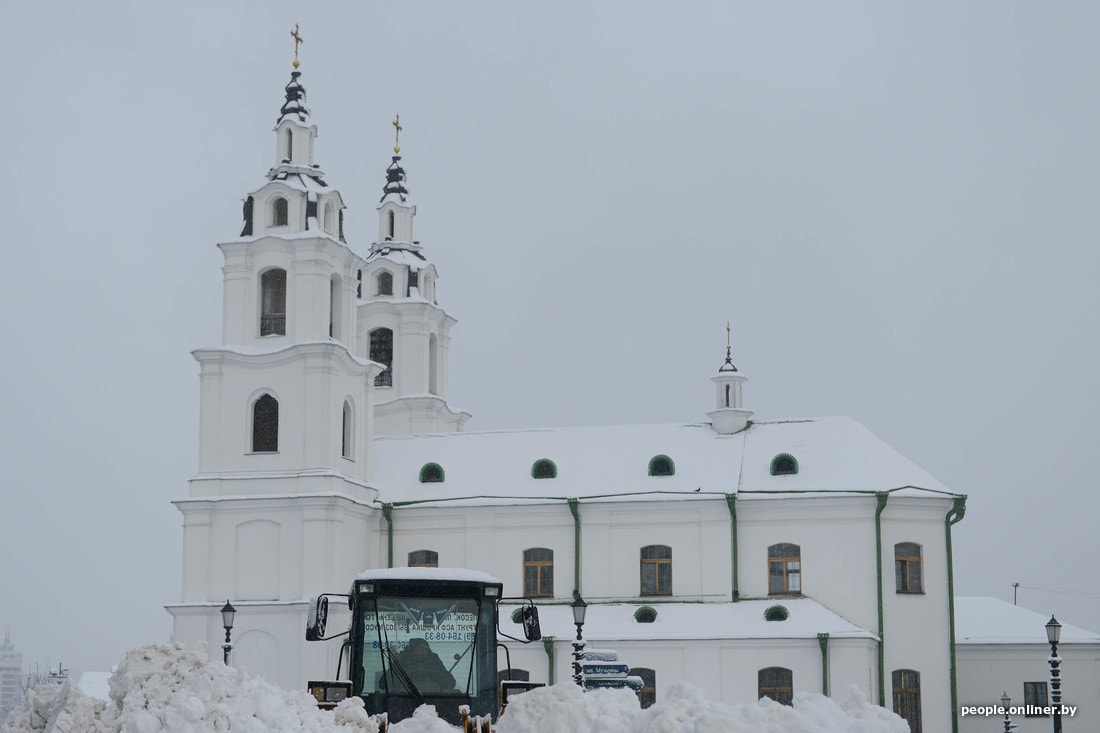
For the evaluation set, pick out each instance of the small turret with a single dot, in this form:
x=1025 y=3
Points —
x=730 y=417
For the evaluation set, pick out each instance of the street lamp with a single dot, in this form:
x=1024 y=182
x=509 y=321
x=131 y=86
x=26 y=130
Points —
x=1005 y=701
x=228 y=612
x=579 y=610
x=1054 y=632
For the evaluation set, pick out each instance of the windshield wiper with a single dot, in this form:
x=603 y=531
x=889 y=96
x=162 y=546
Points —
x=403 y=676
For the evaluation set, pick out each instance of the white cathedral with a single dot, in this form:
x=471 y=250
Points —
x=748 y=556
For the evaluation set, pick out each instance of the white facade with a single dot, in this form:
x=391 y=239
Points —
x=328 y=447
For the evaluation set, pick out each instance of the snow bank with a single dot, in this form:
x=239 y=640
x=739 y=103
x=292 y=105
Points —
x=565 y=709
x=175 y=689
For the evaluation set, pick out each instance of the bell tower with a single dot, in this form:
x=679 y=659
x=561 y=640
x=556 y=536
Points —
x=403 y=326
x=281 y=507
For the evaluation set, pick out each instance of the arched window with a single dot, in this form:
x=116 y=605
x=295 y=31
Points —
x=907 y=567
x=385 y=283
x=433 y=379
x=784 y=464
x=727 y=395
x=661 y=466
x=273 y=303
x=265 y=425
x=381 y=351
x=393 y=223
x=656 y=570
x=346 y=431
x=335 y=308
x=514 y=674
x=423 y=559
x=289 y=145
x=280 y=212
x=648 y=694
x=784 y=569
x=431 y=473
x=538 y=572
x=544 y=468
x=330 y=218
x=776 y=683
x=907 y=697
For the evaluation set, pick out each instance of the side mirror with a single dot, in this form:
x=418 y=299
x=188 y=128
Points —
x=530 y=619
x=317 y=618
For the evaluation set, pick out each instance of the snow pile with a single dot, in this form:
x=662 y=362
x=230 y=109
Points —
x=175 y=689
x=565 y=709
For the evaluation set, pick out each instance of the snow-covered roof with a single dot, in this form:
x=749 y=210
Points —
x=463 y=574
x=986 y=620
x=399 y=255
x=676 y=621
x=833 y=454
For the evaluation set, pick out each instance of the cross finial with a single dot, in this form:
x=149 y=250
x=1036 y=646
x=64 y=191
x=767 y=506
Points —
x=727 y=339
x=397 y=133
x=297 y=39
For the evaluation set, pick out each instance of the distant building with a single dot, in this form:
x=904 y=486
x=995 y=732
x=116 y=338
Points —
x=11 y=676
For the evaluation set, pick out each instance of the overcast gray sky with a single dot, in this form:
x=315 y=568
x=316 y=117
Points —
x=894 y=203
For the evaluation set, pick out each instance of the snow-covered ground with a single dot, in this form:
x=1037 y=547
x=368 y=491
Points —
x=175 y=689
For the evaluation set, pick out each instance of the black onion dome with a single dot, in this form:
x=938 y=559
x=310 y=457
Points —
x=395 y=180
x=295 y=104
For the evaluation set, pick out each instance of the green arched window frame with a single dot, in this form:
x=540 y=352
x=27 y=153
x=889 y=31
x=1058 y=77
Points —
x=544 y=468
x=661 y=465
x=784 y=464
x=432 y=473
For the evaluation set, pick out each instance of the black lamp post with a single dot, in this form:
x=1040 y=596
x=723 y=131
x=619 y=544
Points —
x=579 y=609
x=1005 y=702
x=1054 y=633
x=228 y=612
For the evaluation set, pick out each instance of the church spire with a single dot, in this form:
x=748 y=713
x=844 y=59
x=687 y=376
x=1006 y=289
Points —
x=295 y=105
x=395 y=174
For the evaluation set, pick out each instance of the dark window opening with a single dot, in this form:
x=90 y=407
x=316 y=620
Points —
x=280 y=212
x=393 y=222
x=381 y=351
x=776 y=683
x=907 y=697
x=1035 y=694
x=423 y=559
x=265 y=425
x=544 y=468
x=538 y=572
x=907 y=567
x=656 y=570
x=385 y=283
x=661 y=466
x=431 y=473
x=289 y=145
x=784 y=464
x=515 y=674
x=648 y=694
x=345 y=432
x=727 y=395
x=273 y=303
x=784 y=569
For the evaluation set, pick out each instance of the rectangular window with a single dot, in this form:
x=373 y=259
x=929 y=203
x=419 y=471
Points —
x=1035 y=693
x=907 y=697
x=656 y=570
x=784 y=569
x=907 y=567
x=776 y=683
x=538 y=572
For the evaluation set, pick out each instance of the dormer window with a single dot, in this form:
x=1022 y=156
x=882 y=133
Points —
x=385 y=283
x=784 y=464
x=280 y=212
x=544 y=468
x=661 y=466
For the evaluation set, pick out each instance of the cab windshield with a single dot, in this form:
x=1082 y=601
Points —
x=417 y=646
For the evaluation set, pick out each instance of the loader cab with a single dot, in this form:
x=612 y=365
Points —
x=422 y=636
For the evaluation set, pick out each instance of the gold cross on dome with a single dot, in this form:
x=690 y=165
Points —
x=297 y=39
x=397 y=128
x=727 y=338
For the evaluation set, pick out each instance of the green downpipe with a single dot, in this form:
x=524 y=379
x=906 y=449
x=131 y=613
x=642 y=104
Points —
x=954 y=516
x=731 y=502
x=574 y=509
x=387 y=513
x=882 y=496
x=548 y=645
x=823 y=640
